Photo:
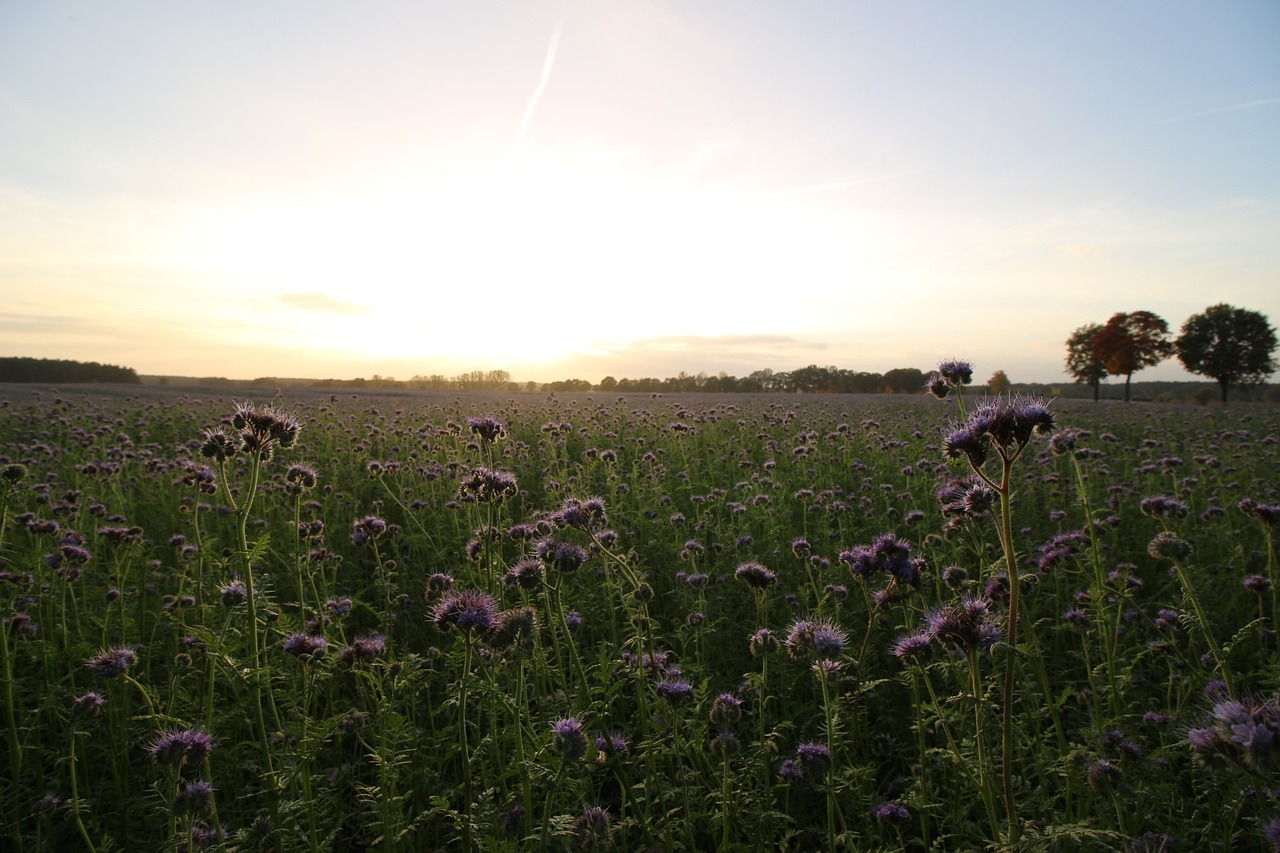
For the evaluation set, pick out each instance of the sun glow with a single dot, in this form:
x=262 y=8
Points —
x=531 y=262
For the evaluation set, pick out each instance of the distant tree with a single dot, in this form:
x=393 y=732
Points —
x=1082 y=360
x=1130 y=342
x=904 y=380
x=999 y=383
x=1232 y=346
x=609 y=383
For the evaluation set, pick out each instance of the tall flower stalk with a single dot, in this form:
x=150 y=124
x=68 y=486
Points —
x=260 y=431
x=1001 y=428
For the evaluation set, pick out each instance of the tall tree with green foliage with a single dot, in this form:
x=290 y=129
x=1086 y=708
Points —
x=1082 y=362
x=1130 y=342
x=1232 y=346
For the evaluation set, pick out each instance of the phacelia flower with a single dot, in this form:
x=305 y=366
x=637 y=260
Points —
x=181 y=746
x=569 y=740
x=109 y=663
x=467 y=610
x=755 y=575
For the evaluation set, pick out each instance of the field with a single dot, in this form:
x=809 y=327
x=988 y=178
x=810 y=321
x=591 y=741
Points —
x=441 y=621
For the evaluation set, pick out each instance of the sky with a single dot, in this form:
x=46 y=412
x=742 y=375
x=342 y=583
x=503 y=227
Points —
x=583 y=188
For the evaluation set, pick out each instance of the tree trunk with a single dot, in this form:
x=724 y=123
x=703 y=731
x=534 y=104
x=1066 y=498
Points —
x=1096 y=385
x=1127 y=377
x=1222 y=383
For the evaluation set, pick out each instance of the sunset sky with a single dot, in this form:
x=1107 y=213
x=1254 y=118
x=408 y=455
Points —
x=627 y=187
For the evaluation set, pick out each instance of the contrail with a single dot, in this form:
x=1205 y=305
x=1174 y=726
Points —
x=542 y=87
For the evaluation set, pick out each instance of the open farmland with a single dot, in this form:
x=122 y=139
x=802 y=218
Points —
x=410 y=622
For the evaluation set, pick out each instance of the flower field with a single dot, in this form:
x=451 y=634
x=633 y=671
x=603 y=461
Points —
x=725 y=622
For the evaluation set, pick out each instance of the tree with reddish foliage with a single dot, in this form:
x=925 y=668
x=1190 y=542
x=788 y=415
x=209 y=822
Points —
x=1232 y=346
x=1130 y=342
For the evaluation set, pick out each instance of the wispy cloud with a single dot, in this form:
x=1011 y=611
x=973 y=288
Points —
x=532 y=106
x=1243 y=106
x=321 y=302
x=705 y=152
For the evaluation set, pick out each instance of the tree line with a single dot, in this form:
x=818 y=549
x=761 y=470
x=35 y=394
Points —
x=1232 y=346
x=20 y=369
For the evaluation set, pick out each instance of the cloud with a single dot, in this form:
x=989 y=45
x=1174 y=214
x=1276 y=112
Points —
x=321 y=302
x=532 y=106
x=717 y=343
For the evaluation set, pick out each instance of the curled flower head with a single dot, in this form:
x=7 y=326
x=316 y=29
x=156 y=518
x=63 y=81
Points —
x=822 y=639
x=814 y=757
x=1167 y=546
x=195 y=798
x=489 y=429
x=109 y=663
x=178 y=746
x=467 y=610
x=755 y=575
x=569 y=739
x=937 y=385
x=1005 y=424
x=300 y=478
x=88 y=705
x=1163 y=506
x=216 y=444
x=559 y=555
x=956 y=372
x=591 y=828
x=366 y=529
x=302 y=645
x=967 y=624
x=578 y=514
x=675 y=690
x=484 y=485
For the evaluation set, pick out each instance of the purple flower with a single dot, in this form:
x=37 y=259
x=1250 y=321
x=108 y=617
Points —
x=195 y=798
x=568 y=738
x=303 y=645
x=561 y=556
x=367 y=529
x=956 y=372
x=790 y=770
x=489 y=429
x=755 y=575
x=88 y=705
x=591 y=828
x=484 y=485
x=677 y=691
x=891 y=813
x=112 y=662
x=814 y=757
x=179 y=746
x=913 y=648
x=467 y=610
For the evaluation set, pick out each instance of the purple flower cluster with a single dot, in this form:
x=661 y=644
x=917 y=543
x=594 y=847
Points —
x=485 y=485
x=887 y=554
x=489 y=429
x=468 y=610
x=824 y=639
x=1002 y=424
x=179 y=746
x=1241 y=734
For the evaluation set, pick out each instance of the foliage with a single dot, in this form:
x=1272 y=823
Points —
x=1083 y=363
x=999 y=383
x=1232 y=346
x=62 y=370
x=1131 y=341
